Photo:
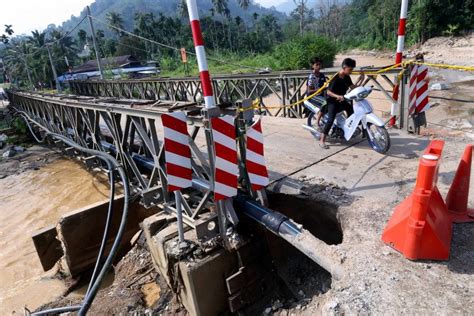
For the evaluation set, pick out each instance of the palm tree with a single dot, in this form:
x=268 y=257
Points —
x=221 y=6
x=229 y=20
x=82 y=35
x=244 y=4
x=238 y=22
x=182 y=8
x=116 y=22
x=39 y=61
x=8 y=29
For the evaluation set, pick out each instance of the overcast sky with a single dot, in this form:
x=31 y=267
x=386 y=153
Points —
x=28 y=15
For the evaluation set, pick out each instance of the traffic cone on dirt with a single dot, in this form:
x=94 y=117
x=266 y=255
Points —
x=458 y=195
x=421 y=226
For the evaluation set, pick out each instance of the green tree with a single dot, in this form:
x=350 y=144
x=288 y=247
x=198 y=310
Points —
x=116 y=22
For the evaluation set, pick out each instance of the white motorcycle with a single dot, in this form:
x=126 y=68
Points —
x=363 y=121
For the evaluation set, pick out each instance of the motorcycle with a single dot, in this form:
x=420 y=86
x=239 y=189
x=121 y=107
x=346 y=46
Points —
x=362 y=121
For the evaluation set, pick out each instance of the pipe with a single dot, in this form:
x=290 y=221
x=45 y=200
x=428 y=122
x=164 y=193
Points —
x=179 y=217
x=401 y=31
x=148 y=163
x=277 y=223
x=318 y=251
x=112 y=164
x=399 y=54
x=198 y=40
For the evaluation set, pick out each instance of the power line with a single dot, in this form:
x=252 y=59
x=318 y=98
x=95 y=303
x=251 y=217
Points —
x=168 y=46
x=50 y=43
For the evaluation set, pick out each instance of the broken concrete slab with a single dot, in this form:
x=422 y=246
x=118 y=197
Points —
x=79 y=234
x=48 y=246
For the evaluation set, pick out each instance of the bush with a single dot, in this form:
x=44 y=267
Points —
x=295 y=54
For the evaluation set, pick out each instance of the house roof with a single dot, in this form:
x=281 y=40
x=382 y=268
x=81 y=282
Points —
x=111 y=62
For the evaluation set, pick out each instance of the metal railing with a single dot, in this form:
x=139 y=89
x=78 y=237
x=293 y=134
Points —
x=275 y=89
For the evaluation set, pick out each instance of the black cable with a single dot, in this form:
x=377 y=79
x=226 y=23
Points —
x=106 y=229
x=112 y=164
x=452 y=99
x=58 y=310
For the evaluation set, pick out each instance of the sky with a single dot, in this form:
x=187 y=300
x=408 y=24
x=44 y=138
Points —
x=28 y=15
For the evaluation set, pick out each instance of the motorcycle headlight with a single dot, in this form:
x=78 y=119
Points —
x=362 y=95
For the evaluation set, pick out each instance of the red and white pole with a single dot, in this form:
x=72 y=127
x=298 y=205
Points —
x=399 y=55
x=200 y=54
x=401 y=31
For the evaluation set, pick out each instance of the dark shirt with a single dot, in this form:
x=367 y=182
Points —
x=339 y=86
x=315 y=81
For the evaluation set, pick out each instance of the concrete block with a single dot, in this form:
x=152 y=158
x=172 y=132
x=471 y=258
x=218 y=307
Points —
x=204 y=280
x=81 y=232
x=48 y=246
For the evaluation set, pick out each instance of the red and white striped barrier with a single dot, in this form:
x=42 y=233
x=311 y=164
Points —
x=422 y=90
x=226 y=171
x=399 y=55
x=200 y=54
x=255 y=160
x=418 y=91
x=401 y=31
x=177 y=151
x=412 y=90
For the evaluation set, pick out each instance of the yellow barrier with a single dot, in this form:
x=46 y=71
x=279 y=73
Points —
x=256 y=103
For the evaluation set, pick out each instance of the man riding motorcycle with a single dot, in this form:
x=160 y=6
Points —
x=336 y=103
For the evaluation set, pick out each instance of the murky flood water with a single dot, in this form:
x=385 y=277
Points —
x=29 y=202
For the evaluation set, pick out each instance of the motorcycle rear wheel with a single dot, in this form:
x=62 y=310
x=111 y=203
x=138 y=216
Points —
x=378 y=138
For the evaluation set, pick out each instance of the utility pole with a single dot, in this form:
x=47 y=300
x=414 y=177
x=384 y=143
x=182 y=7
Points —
x=94 y=42
x=55 y=74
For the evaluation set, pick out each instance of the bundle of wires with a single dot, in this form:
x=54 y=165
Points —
x=99 y=271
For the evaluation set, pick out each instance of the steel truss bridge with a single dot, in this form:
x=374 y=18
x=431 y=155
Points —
x=275 y=90
x=122 y=118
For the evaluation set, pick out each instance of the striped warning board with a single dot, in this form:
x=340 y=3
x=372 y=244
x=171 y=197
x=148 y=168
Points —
x=255 y=160
x=177 y=151
x=418 y=100
x=226 y=165
x=422 y=89
x=412 y=90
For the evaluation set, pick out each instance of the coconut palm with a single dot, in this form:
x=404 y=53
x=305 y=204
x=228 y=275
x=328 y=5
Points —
x=116 y=22
x=244 y=4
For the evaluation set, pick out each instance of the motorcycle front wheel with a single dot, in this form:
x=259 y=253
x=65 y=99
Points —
x=378 y=138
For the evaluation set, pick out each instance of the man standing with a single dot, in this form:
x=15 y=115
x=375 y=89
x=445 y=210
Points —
x=336 y=103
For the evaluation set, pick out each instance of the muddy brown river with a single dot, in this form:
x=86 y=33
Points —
x=29 y=202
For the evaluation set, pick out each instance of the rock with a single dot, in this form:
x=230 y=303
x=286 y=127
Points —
x=3 y=138
x=332 y=305
x=301 y=293
x=277 y=305
x=9 y=153
x=2 y=144
x=440 y=86
x=19 y=149
x=267 y=311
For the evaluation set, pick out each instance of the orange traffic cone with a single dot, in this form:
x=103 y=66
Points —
x=421 y=226
x=458 y=194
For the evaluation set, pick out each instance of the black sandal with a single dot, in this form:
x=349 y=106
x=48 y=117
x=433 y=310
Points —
x=323 y=146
